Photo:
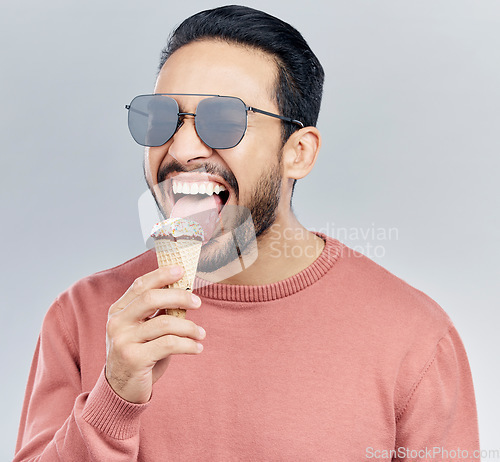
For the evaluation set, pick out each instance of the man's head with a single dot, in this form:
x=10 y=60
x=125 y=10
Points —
x=244 y=53
x=299 y=84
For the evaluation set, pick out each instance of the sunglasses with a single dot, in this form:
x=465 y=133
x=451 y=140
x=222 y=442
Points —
x=220 y=121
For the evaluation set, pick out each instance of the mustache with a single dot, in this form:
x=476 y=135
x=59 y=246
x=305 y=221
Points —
x=213 y=169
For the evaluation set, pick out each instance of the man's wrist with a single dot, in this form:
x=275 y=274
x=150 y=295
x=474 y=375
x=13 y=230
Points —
x=110 y=413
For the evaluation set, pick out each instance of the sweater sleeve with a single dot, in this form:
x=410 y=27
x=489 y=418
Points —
x=60 y=421
x=439 y=420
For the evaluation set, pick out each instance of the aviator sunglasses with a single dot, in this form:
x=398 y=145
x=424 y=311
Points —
x=220 y=121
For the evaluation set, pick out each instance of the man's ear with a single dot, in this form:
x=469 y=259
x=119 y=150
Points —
x=300 y=152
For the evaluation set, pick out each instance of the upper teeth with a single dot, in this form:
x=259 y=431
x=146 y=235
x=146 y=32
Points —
x=208 y=187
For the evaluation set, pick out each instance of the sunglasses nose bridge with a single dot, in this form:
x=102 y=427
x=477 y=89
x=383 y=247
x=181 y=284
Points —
x=187 y=144
x=184 y=115
x=189 y=115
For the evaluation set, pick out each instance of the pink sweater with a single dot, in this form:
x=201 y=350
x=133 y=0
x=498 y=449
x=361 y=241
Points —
x=341 y=362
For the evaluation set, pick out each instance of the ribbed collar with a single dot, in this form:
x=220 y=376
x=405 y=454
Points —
x=280 y=289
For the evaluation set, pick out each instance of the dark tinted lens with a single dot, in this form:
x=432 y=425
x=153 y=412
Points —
x=221 y=121
x=152 y=119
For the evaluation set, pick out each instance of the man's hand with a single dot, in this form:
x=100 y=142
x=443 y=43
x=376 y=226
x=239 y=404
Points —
x=138 y=349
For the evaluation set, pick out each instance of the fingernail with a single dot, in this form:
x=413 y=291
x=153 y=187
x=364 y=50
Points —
x=202 y=332
x=199 y=346
x=176 y=270
x=196 y=300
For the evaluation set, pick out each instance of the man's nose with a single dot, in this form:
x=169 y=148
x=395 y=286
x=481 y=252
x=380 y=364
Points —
x=187 y=145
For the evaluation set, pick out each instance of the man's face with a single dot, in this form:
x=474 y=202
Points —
x=251 y=171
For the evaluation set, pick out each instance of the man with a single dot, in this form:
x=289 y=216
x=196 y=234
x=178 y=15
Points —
x=323 y=356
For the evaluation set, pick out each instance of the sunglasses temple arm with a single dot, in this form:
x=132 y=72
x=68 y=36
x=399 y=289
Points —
x=286 y=119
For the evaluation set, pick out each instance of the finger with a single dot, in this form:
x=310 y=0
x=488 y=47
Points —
x=156 y=279
x=167 y=345
x=168 y=325
x=149 y=302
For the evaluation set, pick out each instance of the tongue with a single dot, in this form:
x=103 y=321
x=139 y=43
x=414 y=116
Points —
x=200 y=208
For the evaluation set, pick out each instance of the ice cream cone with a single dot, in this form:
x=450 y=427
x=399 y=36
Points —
x=178 y=242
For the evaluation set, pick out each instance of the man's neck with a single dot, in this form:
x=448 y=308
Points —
x=284 y=250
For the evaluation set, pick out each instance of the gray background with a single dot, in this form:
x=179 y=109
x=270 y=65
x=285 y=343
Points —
x=410 y=124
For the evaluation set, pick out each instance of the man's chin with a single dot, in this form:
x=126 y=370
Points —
x=217 y=253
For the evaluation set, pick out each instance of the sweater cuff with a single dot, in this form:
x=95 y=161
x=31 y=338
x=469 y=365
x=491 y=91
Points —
x=110 y=413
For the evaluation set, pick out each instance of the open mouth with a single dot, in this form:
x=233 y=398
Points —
x=200 y=199
x=199 y=191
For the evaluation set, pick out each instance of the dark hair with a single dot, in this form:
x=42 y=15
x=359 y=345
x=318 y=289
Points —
x=299 y=87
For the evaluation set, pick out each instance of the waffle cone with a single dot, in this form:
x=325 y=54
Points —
x=185 y=253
